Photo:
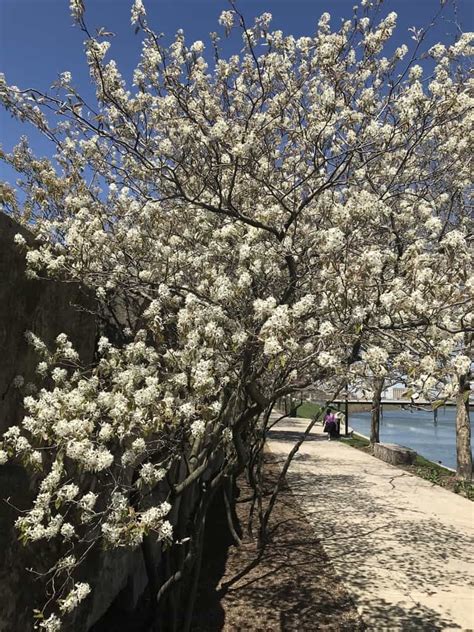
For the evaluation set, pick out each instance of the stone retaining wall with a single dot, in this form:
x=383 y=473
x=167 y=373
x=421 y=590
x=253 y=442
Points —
x=47 y=308
x=394 y=454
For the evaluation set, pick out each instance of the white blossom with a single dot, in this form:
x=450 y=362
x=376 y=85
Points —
x=198 y=428
x=51 y=624
x=462 y=364
x=165 y=531
x=197 y=47
x=138 y=11
x=75 y=596
x=76 y=8
x=226 y=19
x=19 y=240
x=67 y=531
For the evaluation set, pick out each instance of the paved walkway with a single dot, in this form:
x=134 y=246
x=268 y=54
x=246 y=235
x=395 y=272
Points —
x=402 y=546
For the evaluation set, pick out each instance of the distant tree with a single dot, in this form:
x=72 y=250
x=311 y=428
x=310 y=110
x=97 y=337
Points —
x=376 y=410
x=463 y=421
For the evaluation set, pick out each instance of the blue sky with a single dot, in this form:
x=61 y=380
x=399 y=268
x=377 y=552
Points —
x=38 y=41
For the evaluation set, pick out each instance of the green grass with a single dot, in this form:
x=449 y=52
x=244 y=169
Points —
x=420 y=461
x=431 y=471
x=464 y=489
x=356 y=441
x=439 y=475
x=308 y=410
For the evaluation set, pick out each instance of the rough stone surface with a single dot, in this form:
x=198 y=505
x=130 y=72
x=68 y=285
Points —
x=47 y=308
x=394 y=454
x=44 y=307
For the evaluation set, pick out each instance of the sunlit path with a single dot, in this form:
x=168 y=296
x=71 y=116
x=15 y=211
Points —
x=403 y=547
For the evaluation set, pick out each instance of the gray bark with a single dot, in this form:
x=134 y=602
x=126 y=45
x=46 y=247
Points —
x=375 y=418
x=463 y=431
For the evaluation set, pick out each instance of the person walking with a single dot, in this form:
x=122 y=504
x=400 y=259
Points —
x=330 y=425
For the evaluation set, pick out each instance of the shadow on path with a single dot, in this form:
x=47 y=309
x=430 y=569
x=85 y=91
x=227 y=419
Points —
x=292 y=586
x=394 y=559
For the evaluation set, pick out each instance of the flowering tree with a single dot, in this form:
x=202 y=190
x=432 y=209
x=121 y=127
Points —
x=248 y=228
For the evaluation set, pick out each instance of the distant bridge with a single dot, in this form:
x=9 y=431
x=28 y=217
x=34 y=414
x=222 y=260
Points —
x=395 y=402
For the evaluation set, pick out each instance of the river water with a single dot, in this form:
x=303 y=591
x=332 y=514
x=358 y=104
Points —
x=417 y=430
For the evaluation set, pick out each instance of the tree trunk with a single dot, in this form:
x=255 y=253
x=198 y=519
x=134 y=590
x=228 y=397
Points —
x=375 y=419
x=463 y=431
